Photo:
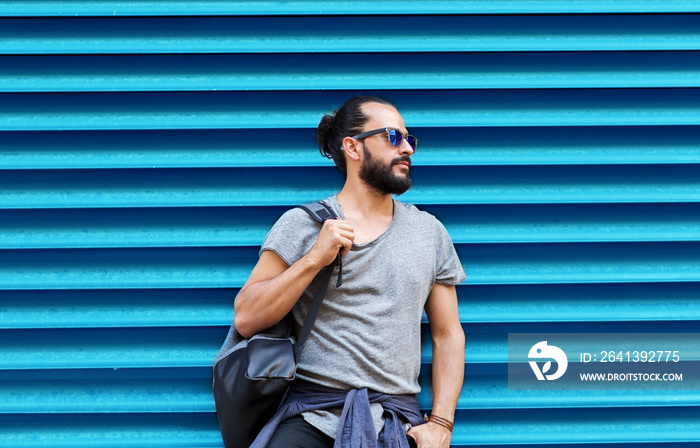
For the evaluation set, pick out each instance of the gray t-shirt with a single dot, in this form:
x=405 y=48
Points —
x=368 y=332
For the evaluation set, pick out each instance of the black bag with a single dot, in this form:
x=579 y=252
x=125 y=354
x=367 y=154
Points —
x=251 y=376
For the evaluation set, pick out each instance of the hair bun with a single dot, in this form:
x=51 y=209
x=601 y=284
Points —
x=323 y=134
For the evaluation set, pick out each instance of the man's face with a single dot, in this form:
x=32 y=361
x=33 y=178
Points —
x=381 y=176
x=384 y=167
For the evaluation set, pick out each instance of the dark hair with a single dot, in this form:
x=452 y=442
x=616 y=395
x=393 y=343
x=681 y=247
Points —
x=344 y=122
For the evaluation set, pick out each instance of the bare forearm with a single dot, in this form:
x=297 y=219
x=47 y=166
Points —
x=448 y=372
x=262 y=304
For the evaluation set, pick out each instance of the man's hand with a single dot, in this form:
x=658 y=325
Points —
x=274 y=287
x=336 y=235
x=430 y=435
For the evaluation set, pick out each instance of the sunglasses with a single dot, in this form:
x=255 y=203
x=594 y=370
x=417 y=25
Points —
x=395 y=136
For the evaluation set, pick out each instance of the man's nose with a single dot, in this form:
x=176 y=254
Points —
x=406 y=148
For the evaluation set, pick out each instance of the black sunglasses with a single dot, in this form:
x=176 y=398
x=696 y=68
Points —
x=395 y=136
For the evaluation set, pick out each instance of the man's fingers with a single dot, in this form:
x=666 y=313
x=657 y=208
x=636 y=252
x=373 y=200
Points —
x=336 y=235
x=342 y=231
x=345 y=248
x=338 y=224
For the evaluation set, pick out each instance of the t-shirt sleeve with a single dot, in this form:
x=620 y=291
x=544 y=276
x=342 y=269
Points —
x=448 y=269
x=292 y=236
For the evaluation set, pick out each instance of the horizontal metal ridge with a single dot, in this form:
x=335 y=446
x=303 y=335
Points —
x=687 y=444
x=178 y=148
x=581 y=263
x=487 y=343
x=247 y=226
x=626 y=302
x=485 y=264
x=342 y=34
x=290 y=187
x=280 y=72
x=572 y=426
x=126 y=268
x=310 y=7
x=490 y=391
x=540 y=223
x=512 y=428
x=118 y=348
x=140 y=227
x=116 y=308
x=110 y=430
x=297 y=109
x=243 y=148
x=154 y=395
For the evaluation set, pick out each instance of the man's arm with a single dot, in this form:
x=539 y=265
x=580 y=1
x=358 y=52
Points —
x=448 y=364
x=273 y=287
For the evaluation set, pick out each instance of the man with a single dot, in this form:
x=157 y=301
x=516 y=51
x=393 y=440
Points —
x=397 y=261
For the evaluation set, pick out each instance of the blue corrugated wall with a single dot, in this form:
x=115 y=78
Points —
x=147 y=146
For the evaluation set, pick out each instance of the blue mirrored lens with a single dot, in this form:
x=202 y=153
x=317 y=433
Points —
x=395 y=137
x=412 y=141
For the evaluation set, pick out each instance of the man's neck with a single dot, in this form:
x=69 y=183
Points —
x=365 y=201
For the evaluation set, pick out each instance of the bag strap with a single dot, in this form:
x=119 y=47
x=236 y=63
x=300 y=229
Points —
x=320 y=212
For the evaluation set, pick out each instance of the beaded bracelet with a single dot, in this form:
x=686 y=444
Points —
x=439 y=421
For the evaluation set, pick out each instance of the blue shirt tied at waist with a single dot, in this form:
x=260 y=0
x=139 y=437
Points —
x=356 y=427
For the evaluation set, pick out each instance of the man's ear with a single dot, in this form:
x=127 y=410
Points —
x=351 y=148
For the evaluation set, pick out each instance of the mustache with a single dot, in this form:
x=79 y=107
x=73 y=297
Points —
x=402 y=159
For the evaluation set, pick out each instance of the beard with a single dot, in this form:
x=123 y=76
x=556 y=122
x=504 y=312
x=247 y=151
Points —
x=380 y=177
